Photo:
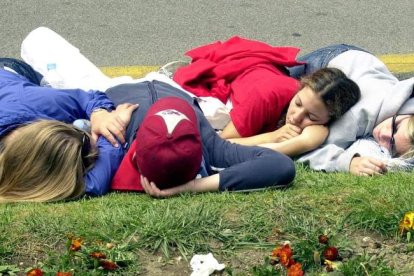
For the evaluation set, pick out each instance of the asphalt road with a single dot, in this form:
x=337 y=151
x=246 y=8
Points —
x=152 y=32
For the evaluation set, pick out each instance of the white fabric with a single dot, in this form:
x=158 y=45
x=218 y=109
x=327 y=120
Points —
x=43 y=46
x=204 y=265
x=382 y=96
x=171 y=118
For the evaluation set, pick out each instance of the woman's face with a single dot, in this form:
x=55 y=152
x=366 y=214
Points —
x=306 y=109
x=383 y=132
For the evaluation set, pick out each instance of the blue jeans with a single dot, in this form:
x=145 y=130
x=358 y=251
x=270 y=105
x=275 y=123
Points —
x=21 y=68
x=319 y=59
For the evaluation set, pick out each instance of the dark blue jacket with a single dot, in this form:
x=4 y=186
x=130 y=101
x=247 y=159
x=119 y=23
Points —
x=240 y=167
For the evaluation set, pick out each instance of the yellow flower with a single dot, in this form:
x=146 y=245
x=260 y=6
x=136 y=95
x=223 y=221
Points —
x=407 y=223
x=331 y=266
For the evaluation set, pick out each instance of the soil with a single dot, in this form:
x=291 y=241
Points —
x=395 y=254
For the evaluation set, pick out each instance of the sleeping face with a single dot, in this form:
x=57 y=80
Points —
x=307 y=108
x=393 y=134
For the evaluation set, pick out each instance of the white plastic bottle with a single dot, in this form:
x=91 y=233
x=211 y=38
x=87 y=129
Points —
x=52 y=77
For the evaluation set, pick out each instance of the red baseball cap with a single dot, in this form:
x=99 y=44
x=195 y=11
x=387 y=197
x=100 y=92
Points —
x=169 y=148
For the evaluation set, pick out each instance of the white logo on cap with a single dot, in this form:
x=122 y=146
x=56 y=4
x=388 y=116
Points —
x=171 y=118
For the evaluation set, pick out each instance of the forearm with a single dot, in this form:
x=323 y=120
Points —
x=292 y=147
x=253 y=140
x=199 y=185
x=206 y=184
x=310 y=138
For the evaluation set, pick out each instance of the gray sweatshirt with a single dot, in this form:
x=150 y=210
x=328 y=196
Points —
x=382 y=96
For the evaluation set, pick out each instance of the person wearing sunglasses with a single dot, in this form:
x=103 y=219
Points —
x=390 y=148
x=43 y=156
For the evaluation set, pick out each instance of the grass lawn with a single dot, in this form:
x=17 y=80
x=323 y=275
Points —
x=159 y=236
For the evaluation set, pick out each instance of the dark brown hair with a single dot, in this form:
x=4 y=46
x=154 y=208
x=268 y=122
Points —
x=338 y=92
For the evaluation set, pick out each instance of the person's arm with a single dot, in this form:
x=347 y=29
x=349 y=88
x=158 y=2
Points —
x=237 y=162
x=205 y=184
x=68 y=105
x=310 y=138
x=366 y=166
x=98 y=179
x=245 y=168
x=284 y=133
x=112 y=125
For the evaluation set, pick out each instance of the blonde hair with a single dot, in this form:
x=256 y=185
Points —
x=43 y=161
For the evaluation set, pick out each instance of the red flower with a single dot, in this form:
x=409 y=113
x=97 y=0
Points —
x=323 y=239
x=63 y=273
x=295 y=270
x=284 y=254
x=75 y=244
x=108 y=265
x=331 y=253
x=35 y=272
x=97 y=255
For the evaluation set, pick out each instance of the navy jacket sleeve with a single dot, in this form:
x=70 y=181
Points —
x=99 y=178
x=245 y=168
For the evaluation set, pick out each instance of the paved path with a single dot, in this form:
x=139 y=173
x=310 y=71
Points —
x=153 y=32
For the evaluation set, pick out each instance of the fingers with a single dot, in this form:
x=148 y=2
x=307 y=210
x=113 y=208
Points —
x=117 y=129
x=294 y=129
x=289 y=131
x=379 y=164
x=371 y=167
x=150 y=188
x=133 y=107
x=111 y=138
x=94 y=136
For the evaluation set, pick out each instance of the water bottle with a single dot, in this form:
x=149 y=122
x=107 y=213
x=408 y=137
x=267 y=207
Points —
x=52 y=77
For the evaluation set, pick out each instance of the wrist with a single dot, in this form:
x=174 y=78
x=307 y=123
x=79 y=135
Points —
x=99 y=109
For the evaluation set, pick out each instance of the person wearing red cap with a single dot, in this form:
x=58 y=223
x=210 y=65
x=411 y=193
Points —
x=174 y=149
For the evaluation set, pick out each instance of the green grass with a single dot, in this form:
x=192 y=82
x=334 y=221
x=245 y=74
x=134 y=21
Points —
x=228 y=224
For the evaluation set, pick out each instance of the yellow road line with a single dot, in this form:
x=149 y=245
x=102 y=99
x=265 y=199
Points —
x=396 y=63
x=133 y=71
x=399 y=63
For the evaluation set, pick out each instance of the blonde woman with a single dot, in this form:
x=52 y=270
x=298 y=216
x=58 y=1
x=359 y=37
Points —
x=44 y=161
x=52 y=157
x=391 y=148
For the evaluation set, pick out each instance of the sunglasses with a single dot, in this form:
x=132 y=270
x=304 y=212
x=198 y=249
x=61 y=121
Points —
x=393 y=131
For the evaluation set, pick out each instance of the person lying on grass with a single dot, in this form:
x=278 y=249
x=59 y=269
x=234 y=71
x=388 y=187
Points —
x=268 y=106
x=174 y=149
x=382 y=96
x=391 y=148
x=43 y=157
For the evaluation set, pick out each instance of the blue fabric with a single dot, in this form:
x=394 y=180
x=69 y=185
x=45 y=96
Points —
x=319 y=59
x=243 y=168
x=23 y=102
x=22 y=68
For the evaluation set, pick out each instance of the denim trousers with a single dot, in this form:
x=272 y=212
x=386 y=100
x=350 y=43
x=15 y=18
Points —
x=21 y=68
x=319 y=59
